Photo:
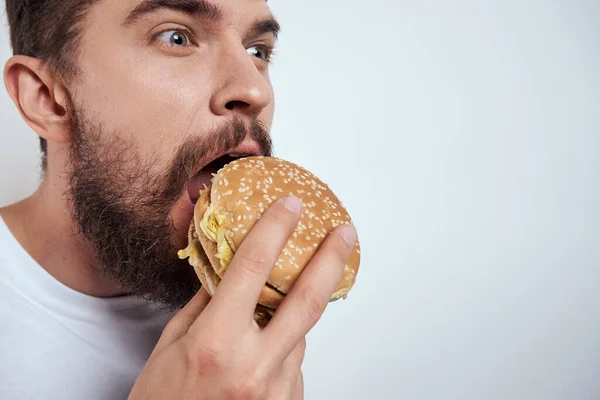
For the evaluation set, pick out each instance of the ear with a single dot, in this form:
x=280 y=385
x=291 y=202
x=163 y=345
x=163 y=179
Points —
x=40 y=96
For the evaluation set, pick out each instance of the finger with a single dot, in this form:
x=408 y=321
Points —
x=293 y=363
x=188 y=314
x=285 y=385
x=182 y=321
x=238 y=292
x=298 y=393
x=305 y=303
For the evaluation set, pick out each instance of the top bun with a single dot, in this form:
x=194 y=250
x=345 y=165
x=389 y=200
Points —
x=243 y=190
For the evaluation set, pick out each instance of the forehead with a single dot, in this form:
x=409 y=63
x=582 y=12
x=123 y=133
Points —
x=229 y=11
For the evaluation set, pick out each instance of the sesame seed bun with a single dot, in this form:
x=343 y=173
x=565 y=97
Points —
x=240 y=193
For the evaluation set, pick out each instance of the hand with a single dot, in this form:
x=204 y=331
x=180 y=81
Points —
x=213 y=348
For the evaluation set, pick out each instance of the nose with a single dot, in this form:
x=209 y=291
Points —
x=241 y=86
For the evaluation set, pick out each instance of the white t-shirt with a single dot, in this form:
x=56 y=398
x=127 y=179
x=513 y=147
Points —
x=56 y=343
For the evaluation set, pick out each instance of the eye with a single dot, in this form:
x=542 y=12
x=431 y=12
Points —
x=260 y=51
x=174 y=38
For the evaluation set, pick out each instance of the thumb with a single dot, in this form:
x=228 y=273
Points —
x=182 y=321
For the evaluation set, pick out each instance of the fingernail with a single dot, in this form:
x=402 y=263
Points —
x=349 y=235
x=292 y=203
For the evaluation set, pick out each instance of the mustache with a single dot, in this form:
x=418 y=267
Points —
x=194 y=151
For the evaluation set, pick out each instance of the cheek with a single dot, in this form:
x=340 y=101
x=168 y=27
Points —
x=146 y=98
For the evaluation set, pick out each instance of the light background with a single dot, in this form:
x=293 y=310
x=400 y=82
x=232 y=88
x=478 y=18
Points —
x=464 y=138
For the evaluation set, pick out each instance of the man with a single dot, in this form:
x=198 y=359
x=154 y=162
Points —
x=131 y=99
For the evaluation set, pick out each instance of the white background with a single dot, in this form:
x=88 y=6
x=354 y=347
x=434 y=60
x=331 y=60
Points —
x=464 y=138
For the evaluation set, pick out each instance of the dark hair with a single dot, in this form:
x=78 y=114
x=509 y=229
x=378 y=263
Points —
x=49 y=31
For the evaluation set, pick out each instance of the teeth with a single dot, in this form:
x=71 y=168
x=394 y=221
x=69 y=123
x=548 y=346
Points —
x=238 y=155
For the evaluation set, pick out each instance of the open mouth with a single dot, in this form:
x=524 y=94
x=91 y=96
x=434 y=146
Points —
x=204 y=176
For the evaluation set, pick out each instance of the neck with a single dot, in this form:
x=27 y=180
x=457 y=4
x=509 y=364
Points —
x=44 y=227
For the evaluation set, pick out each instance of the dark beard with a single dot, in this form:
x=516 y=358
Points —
x=122 y=209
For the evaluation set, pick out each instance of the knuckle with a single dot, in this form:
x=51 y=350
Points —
x=313 y=302
x=339 y=258
x=207 y=354
x=172 y=328
x=253 y=259
x=302 y=346
x=340 y=250
x=334 y=254
x=249 y=388
x=278 y=216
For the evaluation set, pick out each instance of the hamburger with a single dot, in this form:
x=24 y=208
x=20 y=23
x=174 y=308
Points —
x=227 y=209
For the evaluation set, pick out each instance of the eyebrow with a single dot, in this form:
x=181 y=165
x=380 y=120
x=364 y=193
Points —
x=199 y=8
x=269 y=25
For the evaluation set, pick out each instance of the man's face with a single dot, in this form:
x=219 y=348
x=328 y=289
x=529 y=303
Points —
x=163 y=87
